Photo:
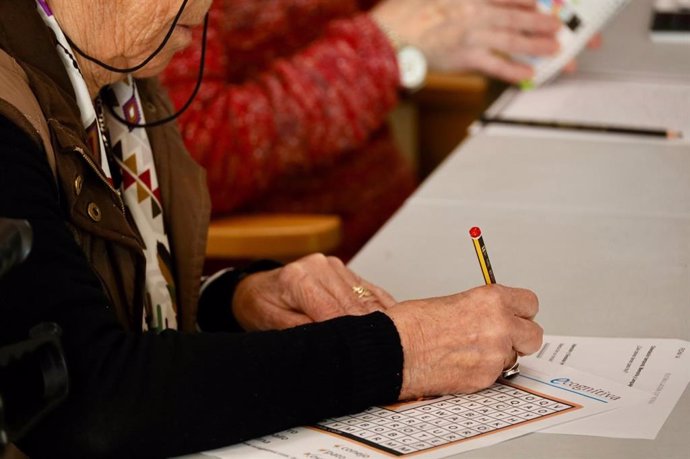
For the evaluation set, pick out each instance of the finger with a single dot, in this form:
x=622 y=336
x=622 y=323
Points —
x=329 y=281
x=346 y=290
x=318 y=303
x=515 y=43
x=384 y=298
x=498 y=66
x=354 y=295
x=523 y=21
x=510 y=360
x=368 y=298
x=524 y=303
x=374 y=298
x=515 y=3
x=371 y=299
x=570 y=67
x=595 y=42
x=527 y=336
x=305 y=290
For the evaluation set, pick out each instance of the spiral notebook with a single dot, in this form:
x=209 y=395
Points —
x=581 y=20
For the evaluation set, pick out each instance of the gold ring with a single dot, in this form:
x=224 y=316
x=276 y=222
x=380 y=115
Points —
x=361 y=291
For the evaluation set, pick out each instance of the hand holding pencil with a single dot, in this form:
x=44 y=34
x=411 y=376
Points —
x=464 y=342
x=461 y=343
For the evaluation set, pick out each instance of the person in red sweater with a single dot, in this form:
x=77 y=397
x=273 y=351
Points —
x=291 y=116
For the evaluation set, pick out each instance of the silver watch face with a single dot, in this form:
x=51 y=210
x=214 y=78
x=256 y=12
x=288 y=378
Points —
x=413 y=67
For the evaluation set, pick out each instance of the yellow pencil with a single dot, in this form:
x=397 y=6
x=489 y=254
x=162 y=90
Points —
x=482 y=255
x=488 y=273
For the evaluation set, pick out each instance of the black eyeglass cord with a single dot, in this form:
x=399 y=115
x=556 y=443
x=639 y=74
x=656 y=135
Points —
x=174 y=116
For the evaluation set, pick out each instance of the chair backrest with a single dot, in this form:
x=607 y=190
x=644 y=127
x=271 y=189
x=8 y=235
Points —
x=278 y=236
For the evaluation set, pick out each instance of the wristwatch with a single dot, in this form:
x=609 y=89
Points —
x=412 y=63
x=413 y=67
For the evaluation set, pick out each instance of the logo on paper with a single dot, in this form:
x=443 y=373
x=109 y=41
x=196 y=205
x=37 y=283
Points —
x=584 y=389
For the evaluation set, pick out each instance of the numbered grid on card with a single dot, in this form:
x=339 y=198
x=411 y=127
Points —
x=415 y=427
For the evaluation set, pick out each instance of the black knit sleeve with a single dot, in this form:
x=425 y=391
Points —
x=160 y=395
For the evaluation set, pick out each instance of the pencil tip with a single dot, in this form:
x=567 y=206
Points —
x=674 y=135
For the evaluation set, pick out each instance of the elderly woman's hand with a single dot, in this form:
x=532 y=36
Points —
x=473 y=35
x=461 y=343
x=312 y=289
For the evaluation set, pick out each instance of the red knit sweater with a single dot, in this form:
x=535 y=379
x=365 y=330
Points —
x=291 y=114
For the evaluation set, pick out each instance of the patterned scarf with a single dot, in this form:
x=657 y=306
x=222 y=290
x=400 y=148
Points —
x=131 y=155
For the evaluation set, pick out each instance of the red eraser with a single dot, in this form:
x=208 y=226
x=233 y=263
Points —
x=475 y=232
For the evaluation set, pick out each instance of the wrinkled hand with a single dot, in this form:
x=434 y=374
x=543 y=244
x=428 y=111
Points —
x=461 y=343
x=473 y=35
x=312 y=289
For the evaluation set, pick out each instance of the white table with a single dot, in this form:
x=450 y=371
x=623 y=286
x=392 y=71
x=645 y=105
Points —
x=599 y=228
x=628 y=50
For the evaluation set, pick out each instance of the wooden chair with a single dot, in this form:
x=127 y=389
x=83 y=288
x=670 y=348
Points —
x=277 y=236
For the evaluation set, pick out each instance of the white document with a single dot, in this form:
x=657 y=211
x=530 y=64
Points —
x=593 y=100
x=543 y=395
x=660 y=367
x=581 y=20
